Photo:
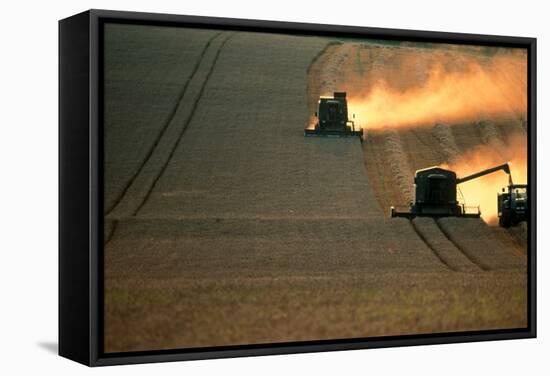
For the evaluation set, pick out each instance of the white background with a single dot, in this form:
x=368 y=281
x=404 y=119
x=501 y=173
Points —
x=28 y=185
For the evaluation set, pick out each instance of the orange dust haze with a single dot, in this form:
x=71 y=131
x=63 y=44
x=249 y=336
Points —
x=452 y=88
x=483 y=191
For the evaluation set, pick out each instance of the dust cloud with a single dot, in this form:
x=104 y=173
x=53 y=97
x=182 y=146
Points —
x=439 y=88
x=393 y=88
x=482 y=191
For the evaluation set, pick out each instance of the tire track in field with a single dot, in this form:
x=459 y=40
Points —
x=428 y=229
x=169 y=119
x=185 y=125
x=445 y=250
x=110 y=233
x=321 y=53
x=482 y=244
x=430 y=245
x=467 y=254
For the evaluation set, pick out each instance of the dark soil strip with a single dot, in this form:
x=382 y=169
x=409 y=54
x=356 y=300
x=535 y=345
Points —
x=430 y=245
x=165 y=126
x=371 y=162
x=185 y=125
x=481 y=265
x=321 y=53
x=111 y=233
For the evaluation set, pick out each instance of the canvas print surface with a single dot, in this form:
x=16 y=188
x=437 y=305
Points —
x=270 y=188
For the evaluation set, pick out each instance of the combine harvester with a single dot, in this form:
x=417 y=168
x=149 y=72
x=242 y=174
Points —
x=333 y=119
x=435 y=194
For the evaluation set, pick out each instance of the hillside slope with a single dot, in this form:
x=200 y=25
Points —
x=237 y=229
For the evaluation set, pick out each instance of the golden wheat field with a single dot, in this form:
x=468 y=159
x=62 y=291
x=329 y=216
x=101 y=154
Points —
x=224 y=225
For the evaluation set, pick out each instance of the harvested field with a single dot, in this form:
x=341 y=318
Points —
x=179 y=312
x=443 y=246
x=481 y=245
x=140 y=100
x=225 y=225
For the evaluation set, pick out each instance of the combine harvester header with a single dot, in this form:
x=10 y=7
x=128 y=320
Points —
x=332 y=119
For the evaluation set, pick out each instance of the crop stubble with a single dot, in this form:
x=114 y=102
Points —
x=253 y=233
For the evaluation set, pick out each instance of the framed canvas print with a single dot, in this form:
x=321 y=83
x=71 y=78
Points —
x=237 y=187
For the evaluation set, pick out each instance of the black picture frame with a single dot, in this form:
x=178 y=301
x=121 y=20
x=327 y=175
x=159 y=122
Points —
x=80 y=187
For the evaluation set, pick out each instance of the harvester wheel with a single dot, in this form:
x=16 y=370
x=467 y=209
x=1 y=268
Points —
x=504 y=221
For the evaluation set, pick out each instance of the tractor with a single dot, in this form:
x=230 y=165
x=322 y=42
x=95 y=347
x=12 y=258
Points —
x=512 y=205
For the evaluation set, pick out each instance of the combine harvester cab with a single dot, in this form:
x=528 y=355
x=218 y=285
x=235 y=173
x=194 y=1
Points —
x=512 y=205
x=435 y=194
x=332 y=119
